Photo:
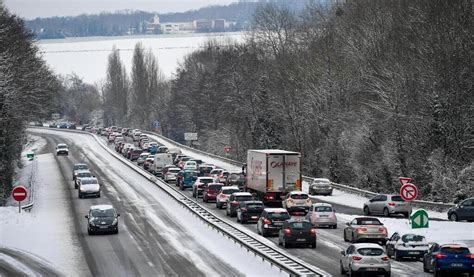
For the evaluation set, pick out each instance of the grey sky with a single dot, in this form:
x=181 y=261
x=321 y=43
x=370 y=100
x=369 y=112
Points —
x=46 y=8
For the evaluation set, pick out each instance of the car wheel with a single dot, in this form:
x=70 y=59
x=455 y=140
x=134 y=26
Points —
x=285 y=245
x=396 y=256
x=334 y=226
x=75 y=186
x=386 y=213
x=98 y=195
x=227 y=212
x=313 y=245
x=352 y=272
x=218 y=205
x=279 y=242
x=425 y=269
x=341 y=268
x=243 y=221
x=345 y=237
x=353 y=239
x=194 y=194
x=453 y=217
x=264 y=234
x=238 y=218
x=204 y=200
x=436 y=272
x=80 y=195
x=387 y=274
x=366 y=210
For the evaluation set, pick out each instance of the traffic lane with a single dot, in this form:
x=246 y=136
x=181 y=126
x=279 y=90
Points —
x=19 y=263
x=126 y=181
x=139 y=249
x=330 y=242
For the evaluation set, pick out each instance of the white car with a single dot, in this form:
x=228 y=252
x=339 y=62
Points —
x=297 y=202
x=364 y=258
x=171 y=175
x=62 y=149
x=322 y=214
x=190 y=165
x=88 y=187
x=407 y=245
x=224 y=194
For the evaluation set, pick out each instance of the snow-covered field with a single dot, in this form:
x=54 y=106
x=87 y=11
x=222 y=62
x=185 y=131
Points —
x=87 y=57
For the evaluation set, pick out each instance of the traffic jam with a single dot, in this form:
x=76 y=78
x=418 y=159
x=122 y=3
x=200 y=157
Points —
x=267 y=194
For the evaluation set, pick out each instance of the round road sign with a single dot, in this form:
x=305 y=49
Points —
x=19 y=193
x=409 y=192
x=227 y=149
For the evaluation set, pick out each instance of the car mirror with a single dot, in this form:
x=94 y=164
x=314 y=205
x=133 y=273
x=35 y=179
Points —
x=334 y=210
x=371 y=200
x=118 y=215
x=348 y=223
x=87 y=216
x=343 y=253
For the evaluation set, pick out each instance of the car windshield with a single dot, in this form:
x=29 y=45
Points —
x=103 y=213
x=206 y=180
x=300 y=225
x=89 y=182
x=215 y=187
x=320 y=182
x=255 y=205
x=412 y=237
x=229 y=191
x=322 y=209
x=370 y=251
x=278 y=216
x=62 y=146
x=455 y=250
x=174 y=170
x=243 y=198
x=372 y=221
x=299 y=196
x=216 y=171
x=397 y=198
x=84 y=174
x=80 y=166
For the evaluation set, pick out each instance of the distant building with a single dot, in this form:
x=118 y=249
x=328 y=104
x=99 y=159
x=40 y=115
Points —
x=203 y=25
x=154 y=27
x=219 y=25
x=170 y=28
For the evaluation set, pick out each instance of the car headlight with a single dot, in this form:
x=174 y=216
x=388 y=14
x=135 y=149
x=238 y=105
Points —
x=82 y=188
x=115 y=222
x=92 y=222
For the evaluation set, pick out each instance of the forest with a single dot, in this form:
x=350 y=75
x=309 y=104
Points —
x=366 y=90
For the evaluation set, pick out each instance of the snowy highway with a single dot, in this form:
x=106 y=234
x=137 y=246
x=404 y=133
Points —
x=157 y=235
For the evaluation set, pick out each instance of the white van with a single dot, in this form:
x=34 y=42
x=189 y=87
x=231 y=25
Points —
x=161 y=159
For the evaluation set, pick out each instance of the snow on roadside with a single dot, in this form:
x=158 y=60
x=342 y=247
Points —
x=438 y=231
x=46 y=231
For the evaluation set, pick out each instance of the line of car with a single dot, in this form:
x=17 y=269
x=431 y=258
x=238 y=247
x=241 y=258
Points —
x=367 y=234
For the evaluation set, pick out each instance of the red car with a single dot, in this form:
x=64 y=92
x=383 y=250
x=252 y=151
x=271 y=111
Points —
x=210 y=191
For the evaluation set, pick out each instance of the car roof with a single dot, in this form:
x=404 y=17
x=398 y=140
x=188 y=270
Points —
x=322 y=205
x=200 y=178
x=62 y=144
x=299 y=219
x=89 y=178
x=367 y=245
x=252 y=201
x=454 y=245
x=297 y=192
x=101 y=207
x=321 y=179
x=272 y=210
x=242 y=194
x=83 y=171
x=80 y=164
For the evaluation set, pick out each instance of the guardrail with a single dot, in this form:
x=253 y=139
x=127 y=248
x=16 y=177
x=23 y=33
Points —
x=438 y=206
x=272 y=254
x=31 y=194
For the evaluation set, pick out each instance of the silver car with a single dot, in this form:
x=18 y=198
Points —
x=385 y=204
x=322 y=214
x=362 y=258
x=320 y=186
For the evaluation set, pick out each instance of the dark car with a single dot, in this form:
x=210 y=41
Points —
x=102 y=219
x=72 y=126
x=297 y=232
x=249 y=211
x=198 y=186
x=63 y=125
x=53 y=125
x=205 y=170
x=236 y=179
x=448 y=259
x=134 y=154
x=210 y=191
x=462 y=211
x=234 y=202
x=77 y=167
x=271 y=220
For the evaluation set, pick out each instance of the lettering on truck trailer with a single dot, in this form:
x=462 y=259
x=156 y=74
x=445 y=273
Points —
x=283 y=164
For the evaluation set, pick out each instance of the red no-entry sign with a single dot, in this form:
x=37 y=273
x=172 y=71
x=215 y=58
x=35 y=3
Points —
x=409 y=192
x=19 y=193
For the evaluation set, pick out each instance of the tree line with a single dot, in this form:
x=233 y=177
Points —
x=27 y=86
x=367 y=91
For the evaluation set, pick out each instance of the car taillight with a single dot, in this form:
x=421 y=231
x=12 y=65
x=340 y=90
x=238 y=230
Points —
x=385 y=259
x=267 y=221
x=290 y=200
x=287 y=232
x=470 y=256
x=243 y=209
x=440 y=256
x=391 y=204
x=234 y=203
x=382 y=230
x=221 y=196
x=361 y=230
x=313 y=232
x=356 y=258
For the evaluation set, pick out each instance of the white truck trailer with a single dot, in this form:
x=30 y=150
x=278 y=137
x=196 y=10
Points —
x=272 y=173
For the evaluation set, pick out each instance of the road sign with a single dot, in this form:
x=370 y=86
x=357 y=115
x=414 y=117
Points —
x=408 y=192
x=19 y=193
x=227 y=149
x=404 y=180
x=190 y=136
x=419 y=219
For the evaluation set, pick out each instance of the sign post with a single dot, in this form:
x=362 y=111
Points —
x=19 y=193
x=419 y=219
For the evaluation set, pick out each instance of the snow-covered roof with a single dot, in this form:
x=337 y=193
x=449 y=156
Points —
x=367 y=245
x=297 y=192
x=322 y=204
x=274 y=151
x=242 y=193
x=276 y=210
x=102 y=207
